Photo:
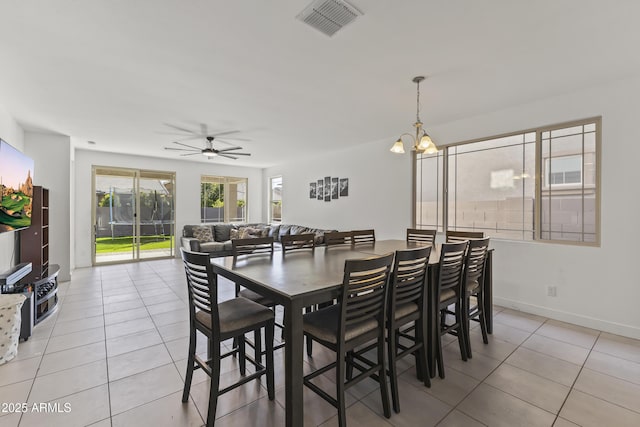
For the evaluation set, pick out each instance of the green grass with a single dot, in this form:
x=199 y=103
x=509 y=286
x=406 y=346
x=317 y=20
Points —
x=123 y=244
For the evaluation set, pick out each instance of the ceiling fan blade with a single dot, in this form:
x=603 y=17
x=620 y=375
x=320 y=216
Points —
x=222 y=150
x=229 y=132
x=227 y=156
x=187 y=145
x=229 y=138
x=191 y=138
x=235 y=154
x=190 y=154
x=181 y=129
x=182 y=149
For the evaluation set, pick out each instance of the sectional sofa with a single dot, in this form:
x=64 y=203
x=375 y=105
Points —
x=216 y=238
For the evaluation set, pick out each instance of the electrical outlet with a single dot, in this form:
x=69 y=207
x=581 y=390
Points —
x=551 y=291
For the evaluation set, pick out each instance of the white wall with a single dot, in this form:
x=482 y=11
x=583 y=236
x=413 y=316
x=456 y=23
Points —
x=12 y=133
x=379 y=190
x=596 y=287
x=52 y=168
x=187 y=190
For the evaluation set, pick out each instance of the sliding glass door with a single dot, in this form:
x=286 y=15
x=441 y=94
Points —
x=133 y=214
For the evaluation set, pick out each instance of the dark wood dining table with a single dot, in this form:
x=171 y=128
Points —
x=299 y=279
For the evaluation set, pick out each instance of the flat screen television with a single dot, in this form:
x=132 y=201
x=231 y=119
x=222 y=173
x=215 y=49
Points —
x=16 y=188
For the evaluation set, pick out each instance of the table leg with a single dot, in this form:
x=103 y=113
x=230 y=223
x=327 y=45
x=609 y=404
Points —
x=293 y=364
x=488 y=292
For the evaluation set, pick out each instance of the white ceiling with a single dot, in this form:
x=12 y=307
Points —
x=116 y=71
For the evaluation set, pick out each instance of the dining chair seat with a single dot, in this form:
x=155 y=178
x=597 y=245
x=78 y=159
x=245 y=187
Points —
x=235 y=315
x=323 y=324
x=256 y=297
x=447 y=294
x=405 y=310
x=472 y=286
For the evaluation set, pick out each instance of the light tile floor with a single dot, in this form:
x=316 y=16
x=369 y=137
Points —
x=114 y=354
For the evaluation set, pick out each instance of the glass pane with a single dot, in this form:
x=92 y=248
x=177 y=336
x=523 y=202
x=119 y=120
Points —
x=429 y=176
x=156 y=214
x=492 y=190
x=115 y=238
x=568 y=195
x=276 y=199
x=212 y=202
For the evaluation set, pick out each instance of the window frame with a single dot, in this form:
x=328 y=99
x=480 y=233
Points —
x=269 y=207
x=539 y=179
x=226 y=181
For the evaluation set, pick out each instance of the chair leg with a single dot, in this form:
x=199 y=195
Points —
x=215 y=385
x=460 y=332
x=482 y=318
x=257 y=343
x=421 y=335
x=382 y=376
x=464 y=315
x=190 y=363
x=439 y=359
x=340 y=388
x=242 y=361
x=269 y=356
x=393 y=373
x=349 y=367
x=309 y=345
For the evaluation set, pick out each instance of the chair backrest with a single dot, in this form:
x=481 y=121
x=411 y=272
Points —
x=334 y=238
x=408 y=279
x=295 y=242
x=451 y=272
x=421 y=236
x=363 y=237
x=459 y=236
x=257 y=246
x=202 y=286
x=364 y=291
x=476 y=257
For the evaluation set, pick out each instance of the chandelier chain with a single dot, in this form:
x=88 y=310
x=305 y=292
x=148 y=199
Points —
x=418 y=103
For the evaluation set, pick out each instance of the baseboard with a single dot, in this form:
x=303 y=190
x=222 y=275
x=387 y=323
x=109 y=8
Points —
x=576 y=319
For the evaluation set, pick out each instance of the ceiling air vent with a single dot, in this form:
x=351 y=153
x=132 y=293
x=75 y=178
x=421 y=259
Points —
x=328 y=16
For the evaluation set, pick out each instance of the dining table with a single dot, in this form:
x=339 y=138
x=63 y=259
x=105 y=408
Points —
x=299 y=279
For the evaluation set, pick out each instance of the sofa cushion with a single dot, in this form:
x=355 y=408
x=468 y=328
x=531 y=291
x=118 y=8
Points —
x=222 y=232
x=284 y=230
x=203 y=233
x=299 y=229
x=274 y=231
x=216 y=246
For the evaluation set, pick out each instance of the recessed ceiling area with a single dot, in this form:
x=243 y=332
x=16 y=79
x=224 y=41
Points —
x=118 y=72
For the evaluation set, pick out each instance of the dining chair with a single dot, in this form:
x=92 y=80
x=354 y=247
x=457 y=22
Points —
x=298 y=242
x=357 y=318
x=459 y=236
x=417 y=235
x=337 y=238
x=360 y=237
x=219 y=322
x=474 y=278
x=449 y=284
x=408 y=304
x=248 y=248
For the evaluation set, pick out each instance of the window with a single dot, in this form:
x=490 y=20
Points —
x=540 y=184
x=223 y=199
x=275 y=199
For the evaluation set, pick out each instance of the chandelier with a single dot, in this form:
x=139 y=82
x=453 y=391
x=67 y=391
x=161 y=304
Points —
x=422 y=142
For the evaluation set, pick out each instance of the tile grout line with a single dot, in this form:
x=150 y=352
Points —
x=577 y=376
x=106 y=354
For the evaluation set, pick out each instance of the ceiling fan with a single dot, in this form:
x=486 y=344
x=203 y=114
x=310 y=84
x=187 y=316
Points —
x=208 y=151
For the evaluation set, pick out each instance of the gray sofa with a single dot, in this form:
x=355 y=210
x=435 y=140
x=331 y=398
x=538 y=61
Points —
x=215 y=239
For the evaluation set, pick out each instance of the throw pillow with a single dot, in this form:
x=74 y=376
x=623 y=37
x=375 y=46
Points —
x=234 y=233
x=203 y=233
